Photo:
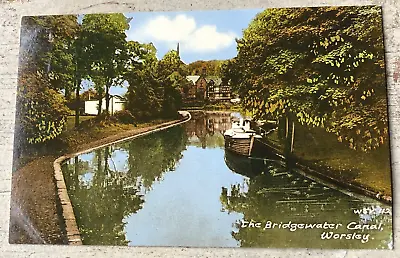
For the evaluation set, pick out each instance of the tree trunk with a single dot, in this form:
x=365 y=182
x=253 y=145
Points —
x=76 y=173
x=286 y=139
x=78 y=80
x=287 y=127
x=67 y=94
x=289 y=142
x=77 y=103
x=281 y=128
x=99 y=177
x=292 y=141
x=100 y=105
x=107 y=99
x=106 y=165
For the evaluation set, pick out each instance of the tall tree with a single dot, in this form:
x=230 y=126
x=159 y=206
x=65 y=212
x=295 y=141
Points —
x=144 y=94
x=63 y=60
x=61 y=31
x=45 y=71
x=39 y=36
x=105 y=42
x=318 y=66
x=172 y=74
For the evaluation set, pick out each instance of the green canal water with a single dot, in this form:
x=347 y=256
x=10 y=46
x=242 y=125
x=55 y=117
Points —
x=179 y=187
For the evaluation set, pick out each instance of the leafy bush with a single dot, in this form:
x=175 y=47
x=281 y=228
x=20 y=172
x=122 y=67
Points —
x=125 y=117
x=42 y=112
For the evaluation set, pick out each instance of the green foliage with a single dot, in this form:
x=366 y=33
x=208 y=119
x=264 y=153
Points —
x=171 y=63
x=62 y=63
x=104 y=41
x=61 y=57
x=43 y=112
x=212 y=67
x=321 y=66
x=144 y=92
x=125 y=117
x=154 y=86
x=42 y=34
x=172 y=77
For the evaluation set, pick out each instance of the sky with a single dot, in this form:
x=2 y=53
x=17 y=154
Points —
x=202 y=35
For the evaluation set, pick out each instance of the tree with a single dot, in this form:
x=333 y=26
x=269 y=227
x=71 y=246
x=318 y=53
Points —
x=172 y=77
x=105 y=41
x=61 y=32
x=316 y=66
x=144 y=92
x=39 y=36
x=41 y=111
x=89 y=94
x=212 y=67
x=61 y=56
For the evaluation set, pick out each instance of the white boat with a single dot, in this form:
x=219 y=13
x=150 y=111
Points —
x=240 y=138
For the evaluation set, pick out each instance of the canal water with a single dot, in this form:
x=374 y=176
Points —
x=179 y=187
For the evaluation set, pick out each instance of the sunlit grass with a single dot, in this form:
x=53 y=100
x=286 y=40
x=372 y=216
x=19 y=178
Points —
x=71 y=121
x=315 y=145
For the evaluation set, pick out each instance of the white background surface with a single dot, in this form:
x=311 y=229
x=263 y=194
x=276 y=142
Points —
x=10 y=15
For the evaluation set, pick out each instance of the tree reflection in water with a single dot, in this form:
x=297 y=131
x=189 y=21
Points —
x=206 y=128
x=143 y=190
x=151 y=156
x=279 y=196
x=105 y=188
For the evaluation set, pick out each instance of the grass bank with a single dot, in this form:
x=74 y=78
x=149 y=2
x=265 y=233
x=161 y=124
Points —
x=36 y=213
x=320 y=150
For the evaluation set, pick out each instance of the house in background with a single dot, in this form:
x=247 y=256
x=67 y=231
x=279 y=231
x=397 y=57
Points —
x=197 y=89
x=208 y=88
x=216 y=90
x=117 y=103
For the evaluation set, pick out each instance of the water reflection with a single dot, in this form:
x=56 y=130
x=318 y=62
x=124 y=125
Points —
x=179 y=188
x=206 y=129
x=276 y=195
x=99 y=198
x=109 y=184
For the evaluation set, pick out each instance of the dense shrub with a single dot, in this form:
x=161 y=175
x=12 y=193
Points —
x=125 y=117
x=41 y=111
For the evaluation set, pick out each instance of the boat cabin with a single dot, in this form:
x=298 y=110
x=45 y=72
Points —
x=244 y=124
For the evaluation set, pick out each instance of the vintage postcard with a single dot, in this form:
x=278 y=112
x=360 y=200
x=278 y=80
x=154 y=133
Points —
x=231 y=128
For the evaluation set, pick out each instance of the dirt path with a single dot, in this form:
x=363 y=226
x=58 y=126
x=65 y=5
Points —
x=35 y=209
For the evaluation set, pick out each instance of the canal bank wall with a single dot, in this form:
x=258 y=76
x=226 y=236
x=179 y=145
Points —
x=66 y=208
x=315 y=173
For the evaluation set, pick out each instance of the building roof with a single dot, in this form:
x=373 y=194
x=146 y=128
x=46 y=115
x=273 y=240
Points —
x=117 y=97
x=217 y=80
x=193 y=78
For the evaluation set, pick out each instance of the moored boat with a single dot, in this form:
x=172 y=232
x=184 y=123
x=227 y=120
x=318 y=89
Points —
x=243 y=165
x=240 y=138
